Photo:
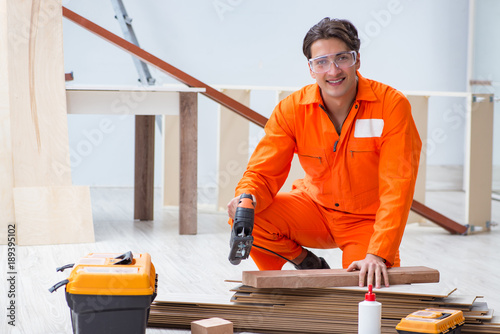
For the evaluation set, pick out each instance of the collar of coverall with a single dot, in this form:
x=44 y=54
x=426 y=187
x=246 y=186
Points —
x=365 y=92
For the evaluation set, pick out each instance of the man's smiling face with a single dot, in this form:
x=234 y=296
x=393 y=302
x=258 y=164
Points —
x=337 y=82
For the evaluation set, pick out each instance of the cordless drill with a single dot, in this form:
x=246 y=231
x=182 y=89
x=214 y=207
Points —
x=241 y=233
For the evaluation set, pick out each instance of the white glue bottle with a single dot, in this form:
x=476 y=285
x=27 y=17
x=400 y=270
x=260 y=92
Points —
x=369 y=314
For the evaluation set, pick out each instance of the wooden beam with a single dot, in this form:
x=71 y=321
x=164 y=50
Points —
x=144 y=167
x=6 y=169
x=188 y=197
x=420 y=113
x=322 y=278
x=449 y=225
x=171 y=158
x=183 y=77
x=232 y=148
x=479 y=161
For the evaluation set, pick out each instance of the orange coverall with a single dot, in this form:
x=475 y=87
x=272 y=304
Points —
x=358 y=186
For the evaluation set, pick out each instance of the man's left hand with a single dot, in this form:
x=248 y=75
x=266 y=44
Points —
x=373 y=268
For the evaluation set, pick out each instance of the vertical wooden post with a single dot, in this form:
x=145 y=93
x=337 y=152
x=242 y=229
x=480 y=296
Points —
x=144 y=167
x=171 y=173
x=188 y=198
x=478 y=161
x=232 y=146
x=419 y=110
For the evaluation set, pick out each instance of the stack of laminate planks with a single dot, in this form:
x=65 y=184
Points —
x=322 y=310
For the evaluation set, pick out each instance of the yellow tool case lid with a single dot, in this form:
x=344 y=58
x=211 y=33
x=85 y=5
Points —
x=111 y=274
x=431 y=321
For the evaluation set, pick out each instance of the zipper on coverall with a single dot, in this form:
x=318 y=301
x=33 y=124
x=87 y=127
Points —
x=337 y=141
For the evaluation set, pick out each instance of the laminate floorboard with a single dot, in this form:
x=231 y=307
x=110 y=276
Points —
x=196 y=266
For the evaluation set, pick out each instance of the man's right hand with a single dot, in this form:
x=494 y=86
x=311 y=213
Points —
x=231 y=206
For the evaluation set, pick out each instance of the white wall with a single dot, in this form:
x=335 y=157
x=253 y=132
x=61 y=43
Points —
x=411 y=45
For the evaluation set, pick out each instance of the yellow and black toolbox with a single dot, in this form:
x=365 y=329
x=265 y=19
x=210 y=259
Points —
x=110 y=293
x=432 y=321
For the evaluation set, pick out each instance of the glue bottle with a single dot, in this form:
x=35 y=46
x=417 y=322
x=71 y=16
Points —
x=369 y=314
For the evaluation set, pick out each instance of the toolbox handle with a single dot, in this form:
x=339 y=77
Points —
x=126 y=258
x=61 y=269
x=58 y=285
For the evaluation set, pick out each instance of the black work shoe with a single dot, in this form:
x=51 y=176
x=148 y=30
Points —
x=311 y=261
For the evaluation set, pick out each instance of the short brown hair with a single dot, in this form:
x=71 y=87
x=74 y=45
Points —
x=332 y=28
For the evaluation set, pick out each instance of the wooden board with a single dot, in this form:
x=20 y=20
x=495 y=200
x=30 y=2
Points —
x=39 y=126
x=232 y=147
x=478 y=162
x=319 y=278
x=171 y=157
x=46 y=208
x=188 y=183
x=429 y=291
x=53 y=215
x=6 y=168
x=419 y=111
x=144 y=167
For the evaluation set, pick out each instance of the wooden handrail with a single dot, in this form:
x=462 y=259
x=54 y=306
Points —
x=154 y=61
x=449 y=225
x=226 y=101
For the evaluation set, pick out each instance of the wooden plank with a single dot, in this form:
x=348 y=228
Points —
x=53 y=215
x=409 y=291
x=420 y=111
x=171 y=157
x=144 y=167
x=450 y=225
x=6 y=168
x=332 y=277
x=47 y=209
x=188 y=195
x=478 y=161
x=39 y=133
x=232 y=148
x=122 y=102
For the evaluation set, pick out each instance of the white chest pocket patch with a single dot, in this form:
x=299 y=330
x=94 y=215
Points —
x=365 y=128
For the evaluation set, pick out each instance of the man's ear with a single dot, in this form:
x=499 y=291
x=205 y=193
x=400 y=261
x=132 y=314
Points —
x=358 y=62
x=313 y=75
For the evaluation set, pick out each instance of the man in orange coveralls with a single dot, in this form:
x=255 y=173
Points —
x=358 y=145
